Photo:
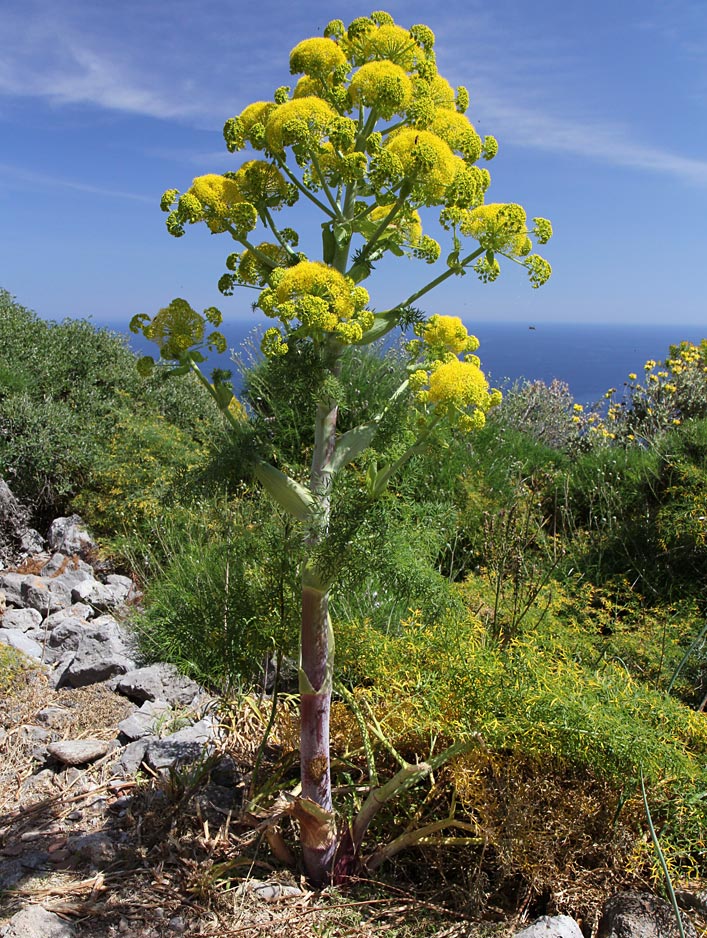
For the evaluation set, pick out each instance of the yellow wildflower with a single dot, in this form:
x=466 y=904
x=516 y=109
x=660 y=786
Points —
x=321 y=298
x=316 y=57
x=176 y=328
x=308 y=87
x=260 y=181
x=458 y=132
x=449 y=334
x=442 y=93
x=459 y=384
x=392 y=43
x=383 y=86
x=426 y=160
x=499 y=227
x=298 y=121
x=217 y=192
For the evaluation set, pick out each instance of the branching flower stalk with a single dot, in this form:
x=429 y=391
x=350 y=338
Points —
x=375 y=129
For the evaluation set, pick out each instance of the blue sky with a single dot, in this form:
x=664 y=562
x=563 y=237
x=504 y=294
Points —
x=600 y=110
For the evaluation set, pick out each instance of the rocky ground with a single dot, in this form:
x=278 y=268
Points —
x=124 y=788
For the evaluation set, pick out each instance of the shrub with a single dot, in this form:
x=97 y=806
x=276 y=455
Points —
x=221 y=588
x=63 y=389
x=547 y=413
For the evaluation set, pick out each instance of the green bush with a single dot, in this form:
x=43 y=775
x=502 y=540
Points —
x=63 y=389
x=221 y=588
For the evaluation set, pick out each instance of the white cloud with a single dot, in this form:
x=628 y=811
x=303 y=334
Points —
x=199 y=63
x=611 y=144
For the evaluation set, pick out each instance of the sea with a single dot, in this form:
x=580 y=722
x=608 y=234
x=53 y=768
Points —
x=589 y=358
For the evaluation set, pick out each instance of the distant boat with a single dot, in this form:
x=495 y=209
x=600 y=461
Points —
x=531 y=328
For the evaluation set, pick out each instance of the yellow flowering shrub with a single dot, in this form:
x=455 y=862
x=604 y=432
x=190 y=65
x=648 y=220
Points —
x=670 y=392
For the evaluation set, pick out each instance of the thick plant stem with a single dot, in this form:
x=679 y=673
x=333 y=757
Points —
x=316 y=669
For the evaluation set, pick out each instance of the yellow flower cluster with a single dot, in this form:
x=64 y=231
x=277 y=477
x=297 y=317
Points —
x=176 y=329
x=458 y=133
x=298 y=122
x=498 y=227
x=388 y=42
x=316 y=58
x=220 y=202
x=443 y=334
x=249 y=126
x=262 y=183
x=426 y=161
x=384 y=86
x=321 y=299
x=454 y=389
x=216 y=192
x=459 y=386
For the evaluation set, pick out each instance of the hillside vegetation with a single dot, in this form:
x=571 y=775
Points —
x=537 y=589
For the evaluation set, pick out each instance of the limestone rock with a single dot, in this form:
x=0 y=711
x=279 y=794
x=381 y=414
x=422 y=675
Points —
x=97 y=848
x=36 y=922
x=159 y=682
x=552 y=926
x=59 y=563
x=183 y=747
x=78 y=751
x=69 y=536
x=11 y=585
x=132 y=757
x=21 y=619
x=17 y=639
x=75 y=611
x=143 y=721
x=45 y=594
x=102 y=653
x=17 y=539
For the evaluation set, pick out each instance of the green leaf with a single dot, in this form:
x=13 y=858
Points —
x=359 y=272
x=223 y=392
x=366 y=227
x=382 y=325
x=351 y=444
x=290 y=495
x=342 y=233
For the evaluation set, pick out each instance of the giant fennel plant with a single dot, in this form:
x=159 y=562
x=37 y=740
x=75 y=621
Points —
x=379 y=142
